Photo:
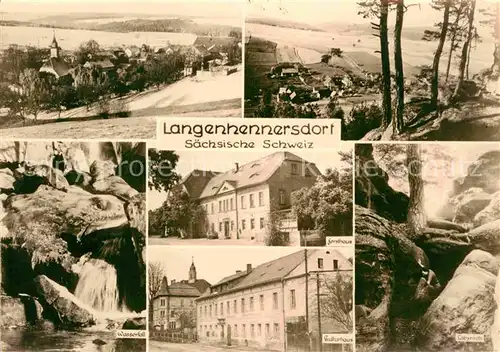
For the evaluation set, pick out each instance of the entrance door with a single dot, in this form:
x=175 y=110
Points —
x=229 y=335
x=226 y=229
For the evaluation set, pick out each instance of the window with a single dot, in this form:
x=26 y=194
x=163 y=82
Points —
x=308 y=171
x=276 y=329
x=201 y=311
x=212 y=208
x=252 y=330
x=261 y=223
x=243 y=223
x=261 y=299
x=162 y=302
x=213 y=227
x=210 y=310
x=320 y=263
x=252 y=203
x=242 y=201
x=268 y=330
x=182 y=303
x=251 y=304
x=232 y=225
x=335 y=264
x=206 y=310
x=252 y=224
x=172 y=313
x=282 y=197
x=220 y=206
x=220 y=226
x=293 y=302
x=171 y=325
x=259 y=329
x=215 y=308
x=236 y=330
x=275 y=300
x=244 y=330
x=162 y=314
x=228 y=308
x=235 y=307
x=231 y=204
x=261 y=199
x=242 y=305
x=295 y=169
x=222 y=309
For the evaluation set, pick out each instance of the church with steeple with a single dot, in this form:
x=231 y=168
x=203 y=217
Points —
x=55 y=64
x=174 y=306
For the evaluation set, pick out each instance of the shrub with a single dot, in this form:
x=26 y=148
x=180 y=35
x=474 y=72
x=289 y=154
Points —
x=362 y=119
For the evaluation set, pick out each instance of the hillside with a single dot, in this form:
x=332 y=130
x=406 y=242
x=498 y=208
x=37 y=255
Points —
x=274 y=22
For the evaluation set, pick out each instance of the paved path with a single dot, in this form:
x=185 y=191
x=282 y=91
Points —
x=174 y=241
x=157 y=346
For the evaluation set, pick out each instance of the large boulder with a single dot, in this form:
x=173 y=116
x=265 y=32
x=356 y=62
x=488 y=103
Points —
x=7 y=180
x=100 y=170
x=490 y=213
x=483 y=173
x=19 y=312
x=52 y=212
x=69 y=309
x=136 y=212
x=138 y=323
x=116 y=186
x=466 y=306
x=486 y=237
x=469 y=203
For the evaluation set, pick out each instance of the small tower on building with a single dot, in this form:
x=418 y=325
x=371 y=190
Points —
x=192 y=273
x=54 y=48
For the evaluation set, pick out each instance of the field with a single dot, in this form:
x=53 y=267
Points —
x=70 y=39
x=415 y=52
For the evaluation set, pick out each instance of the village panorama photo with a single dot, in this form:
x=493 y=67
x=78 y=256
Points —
x=249 y=198
x=98 y=69
x=389 y=69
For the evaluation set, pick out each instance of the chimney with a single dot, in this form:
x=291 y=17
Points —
x=249 y=268
x=172 y=282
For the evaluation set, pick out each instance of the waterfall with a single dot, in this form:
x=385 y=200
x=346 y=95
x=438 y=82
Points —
x=97 y=286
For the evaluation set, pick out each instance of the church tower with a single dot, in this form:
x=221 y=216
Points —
x=54 y=48
x=192 y=273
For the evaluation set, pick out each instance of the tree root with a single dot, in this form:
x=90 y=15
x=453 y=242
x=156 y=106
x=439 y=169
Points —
x=442 y=224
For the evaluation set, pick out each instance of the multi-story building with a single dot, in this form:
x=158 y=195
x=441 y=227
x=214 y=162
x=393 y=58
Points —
x=174 y=306
x=240 y=202
x=275 y=305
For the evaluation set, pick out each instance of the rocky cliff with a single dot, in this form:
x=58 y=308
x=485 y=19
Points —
x=72 y=231
x=419 y=294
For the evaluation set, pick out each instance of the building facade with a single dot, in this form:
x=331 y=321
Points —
x=174 y=306
x=275 y=305
x=55 y=65
x=240 y=202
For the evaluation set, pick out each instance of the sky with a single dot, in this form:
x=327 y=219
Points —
x=177 y=260
x=336 y=11
x=225 y=160
x=207 y=8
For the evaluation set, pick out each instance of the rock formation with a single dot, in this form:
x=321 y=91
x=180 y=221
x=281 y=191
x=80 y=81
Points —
x=419 y=293
x=69 y=214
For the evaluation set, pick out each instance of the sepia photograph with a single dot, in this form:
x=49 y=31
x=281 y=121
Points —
x=257 y=299
x=249 y=198
x=427 y=220
x=390 y=70
x=73 y=243
x=103 y=70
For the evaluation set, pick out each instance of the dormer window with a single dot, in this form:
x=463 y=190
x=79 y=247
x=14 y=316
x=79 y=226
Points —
x=253 y=175
x=295 y=169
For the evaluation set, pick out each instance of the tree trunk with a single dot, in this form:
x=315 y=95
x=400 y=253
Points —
x=386 y=64
x=495 y=68
x=398 y=63
x=465 y=52
x=417 y=219
x=437 y=56
x=468 y=63
x=450 y=54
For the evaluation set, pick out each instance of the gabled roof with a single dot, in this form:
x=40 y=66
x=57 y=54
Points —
x=231 y=278
x=215 y=43
x=252 y=173
x=201 y=50
x=104 y=63
x=183 y=288
x=55 y=66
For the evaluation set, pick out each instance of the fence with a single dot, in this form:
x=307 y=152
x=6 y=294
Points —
x=175 y=337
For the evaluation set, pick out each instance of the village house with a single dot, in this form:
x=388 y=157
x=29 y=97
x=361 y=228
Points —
x=274 y=306
x=239 y=202
x=55 y=65
x=132 y=51
x=174 y=306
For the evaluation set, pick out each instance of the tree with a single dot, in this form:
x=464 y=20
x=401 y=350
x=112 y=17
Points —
x=417 y=219
x=274 y=236
x=437 y=56
x=456 y=31
x=187 y=319
x=465 y=50
x=33 y=91
x=337 y=302
x=398 y=66
x=162 y=175
x=87 y=50
x=156 y=274
x=380 y=9
x=492 y=15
